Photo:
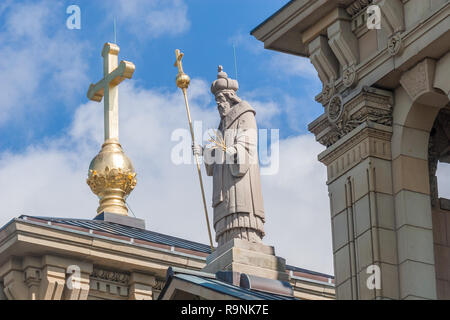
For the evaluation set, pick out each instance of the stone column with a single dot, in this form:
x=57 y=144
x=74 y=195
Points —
x=141 y=286
x=357 y=130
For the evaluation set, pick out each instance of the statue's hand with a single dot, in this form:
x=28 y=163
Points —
x=197 y=149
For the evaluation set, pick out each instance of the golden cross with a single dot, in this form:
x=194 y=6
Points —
x=178 y=63
x=114 y=74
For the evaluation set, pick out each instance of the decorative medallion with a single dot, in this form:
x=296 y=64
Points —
x=395 y=44
x=335 y=108
x=349 y=77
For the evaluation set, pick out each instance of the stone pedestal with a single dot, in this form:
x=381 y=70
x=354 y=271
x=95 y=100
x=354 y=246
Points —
x=247 y=257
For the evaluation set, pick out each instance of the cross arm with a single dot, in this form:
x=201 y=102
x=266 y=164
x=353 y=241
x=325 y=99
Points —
x=124 y=71
x=178 y=62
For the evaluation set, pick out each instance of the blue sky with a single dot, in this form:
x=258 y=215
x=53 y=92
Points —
x=205 y=33
x=50 y=131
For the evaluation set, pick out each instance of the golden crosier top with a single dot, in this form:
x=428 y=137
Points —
x=182 y=79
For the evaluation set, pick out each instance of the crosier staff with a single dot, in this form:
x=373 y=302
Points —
x=183 y=81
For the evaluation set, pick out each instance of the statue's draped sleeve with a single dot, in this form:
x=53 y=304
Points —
x=244 y=151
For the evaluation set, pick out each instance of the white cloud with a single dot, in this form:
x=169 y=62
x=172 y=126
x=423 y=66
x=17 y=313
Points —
x=243 y=40
x=151 y=18
x=49 y=180
x=293 y=66
x=298 y=220
x=32 y=59
x=266 y=111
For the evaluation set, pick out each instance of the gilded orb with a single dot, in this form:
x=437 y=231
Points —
x=183 y=81
x=112 y=177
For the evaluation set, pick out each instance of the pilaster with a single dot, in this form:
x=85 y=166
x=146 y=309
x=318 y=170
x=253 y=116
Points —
x=357 y=130
x=141 y=286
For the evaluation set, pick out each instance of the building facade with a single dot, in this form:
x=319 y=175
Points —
x=74 y=259
x=385 y=125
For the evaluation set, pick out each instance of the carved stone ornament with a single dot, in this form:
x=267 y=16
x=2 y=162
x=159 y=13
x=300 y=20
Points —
x=371 y=105
x=328 y=91
x=357 y=6
x=159 y=285
x=395 y=44
x=419 y=80
x=349 y=77
x=335 y=108
x=108 y=275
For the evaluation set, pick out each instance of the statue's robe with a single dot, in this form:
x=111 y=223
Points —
x=237 y=197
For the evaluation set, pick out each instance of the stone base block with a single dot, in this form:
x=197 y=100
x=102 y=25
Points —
x=247 y=257
x=120 y=219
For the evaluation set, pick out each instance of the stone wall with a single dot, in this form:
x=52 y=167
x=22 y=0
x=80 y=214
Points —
x=441 y=241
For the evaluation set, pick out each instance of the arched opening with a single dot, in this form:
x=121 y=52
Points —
x=439 y=165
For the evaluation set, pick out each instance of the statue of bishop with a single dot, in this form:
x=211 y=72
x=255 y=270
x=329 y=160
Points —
x=233 y=163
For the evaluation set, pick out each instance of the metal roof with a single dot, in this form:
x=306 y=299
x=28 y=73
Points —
x=121 y=230
x=141 y=234
x=314 y=273
x=226 y=288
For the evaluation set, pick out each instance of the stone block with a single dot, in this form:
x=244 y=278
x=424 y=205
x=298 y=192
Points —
x=417 y=280
x=359 y=179
x=409 y=142
x=413 y=208
x=336 y=189
x=383 y=176
x=246 y=257
x=365 y=252
x=340 y=230
x=389 y=281
x=344 y=291
x=362 y=215
x=415 y=244
x=364 y=292
x=243 y=244
x=342 y=263
x=387 y=246
x=385 y=211
x=411 y=174
x=259 y=272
